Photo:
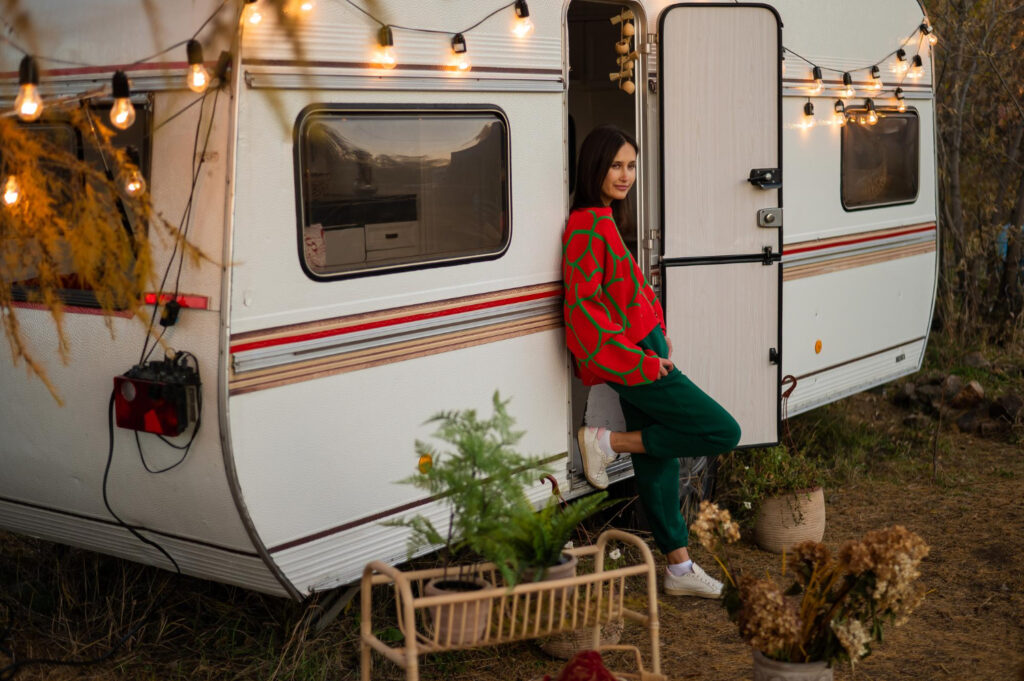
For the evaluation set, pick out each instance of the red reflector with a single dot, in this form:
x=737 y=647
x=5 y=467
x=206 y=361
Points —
x=193 y=302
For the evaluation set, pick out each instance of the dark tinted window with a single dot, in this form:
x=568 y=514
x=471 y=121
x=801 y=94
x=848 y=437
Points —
x=880 y=162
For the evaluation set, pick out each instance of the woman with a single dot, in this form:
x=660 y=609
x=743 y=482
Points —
x=615 y=329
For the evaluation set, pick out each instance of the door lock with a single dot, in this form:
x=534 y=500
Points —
x=766 y=178
x=769 y=217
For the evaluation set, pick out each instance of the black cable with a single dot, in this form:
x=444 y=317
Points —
x=430 y=30
x=860 y=68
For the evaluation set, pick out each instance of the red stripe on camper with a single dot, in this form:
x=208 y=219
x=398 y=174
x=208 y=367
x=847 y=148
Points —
x=192 y=302
x=327 y=333
x=848 y=242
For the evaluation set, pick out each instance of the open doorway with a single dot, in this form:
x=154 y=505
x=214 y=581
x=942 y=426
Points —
x=597 y=96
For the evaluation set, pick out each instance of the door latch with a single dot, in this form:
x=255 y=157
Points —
x=769 y=217
x=767 y=257
x=766 y=178
x=773 y=356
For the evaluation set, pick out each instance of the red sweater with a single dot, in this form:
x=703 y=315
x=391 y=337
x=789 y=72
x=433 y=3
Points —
x=609 y=307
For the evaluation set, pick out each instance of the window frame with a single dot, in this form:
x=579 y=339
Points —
x=911 y=112
x=397 y=109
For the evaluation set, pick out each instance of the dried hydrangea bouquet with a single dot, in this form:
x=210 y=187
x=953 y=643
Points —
x=830 y=608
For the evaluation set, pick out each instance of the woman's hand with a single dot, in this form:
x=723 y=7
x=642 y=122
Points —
x=666 y=366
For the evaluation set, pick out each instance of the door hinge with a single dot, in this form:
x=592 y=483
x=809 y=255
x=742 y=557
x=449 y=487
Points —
x=766 y=178
x=652 y=85
x=769 y=217
x=767 y=257
x=774 y=357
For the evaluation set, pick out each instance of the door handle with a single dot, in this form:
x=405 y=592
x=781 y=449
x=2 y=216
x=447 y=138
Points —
x=766 y=178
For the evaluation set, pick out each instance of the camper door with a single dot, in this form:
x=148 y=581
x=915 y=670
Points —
x=719 y=82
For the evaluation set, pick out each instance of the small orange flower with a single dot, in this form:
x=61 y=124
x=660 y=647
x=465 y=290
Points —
x=426 y=462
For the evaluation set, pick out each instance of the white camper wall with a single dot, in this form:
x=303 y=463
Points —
x=319 y=459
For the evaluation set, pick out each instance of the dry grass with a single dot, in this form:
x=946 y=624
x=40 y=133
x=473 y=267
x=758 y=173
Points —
x=62 y=602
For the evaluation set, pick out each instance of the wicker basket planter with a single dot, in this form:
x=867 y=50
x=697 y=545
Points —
x=790 y=519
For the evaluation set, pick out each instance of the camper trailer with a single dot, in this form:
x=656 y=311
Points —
x=386 y=205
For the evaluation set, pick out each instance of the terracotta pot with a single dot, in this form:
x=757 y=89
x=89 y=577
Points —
x=786 y=520
x=459 y=623
x=566 y=567
x=766 y=669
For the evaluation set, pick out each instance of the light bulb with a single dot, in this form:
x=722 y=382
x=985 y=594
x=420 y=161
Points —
x=839 y=115
x=933 y=39
x=901 y=65
x=122 y=113
x=460 y=54
x=197 y=77
x=876 y=79
x=12 y=192
x=251 y=13
x=808 y=119
x=522 y=26
x=901 y=103
x=28 y=104
x=929 y=32
x=871 y=116
x=384 y=56
x=916 y=68
x=134 y=183
x=307 y=6
x=819 y=83
x=847 y=90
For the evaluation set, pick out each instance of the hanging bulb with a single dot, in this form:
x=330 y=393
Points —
x=847 y=90
x=384 y=57
x=929 y=32
x=122 y=114
x=819 y=83
x=783 y=65
x=808 y=119
x=871 y=116
x=901 y=65
x=839 y=117
x=876 y=79
x=522 y=26
x=916 y=68
x=252 y=14
x=28 y=104
x=306 y=6
x=901 y=103
x=460 y=55
x=198 y=78
x=12 y=192
x=134 y=183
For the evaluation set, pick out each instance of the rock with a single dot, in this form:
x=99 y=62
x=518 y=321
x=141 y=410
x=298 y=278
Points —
x=1008 y=407
x=929 y=395
x=904 y=396
x=976 y=360
x=917 y=421
x=951 y=386
x=970 y=421
x=969 y=396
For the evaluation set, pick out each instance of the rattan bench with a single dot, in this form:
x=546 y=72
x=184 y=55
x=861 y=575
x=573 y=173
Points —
x=526 y=611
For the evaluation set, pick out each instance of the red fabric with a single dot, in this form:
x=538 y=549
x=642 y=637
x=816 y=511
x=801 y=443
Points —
x=585 y=665
x=609 y=307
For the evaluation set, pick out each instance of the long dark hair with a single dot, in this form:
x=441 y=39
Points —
x=596 y=157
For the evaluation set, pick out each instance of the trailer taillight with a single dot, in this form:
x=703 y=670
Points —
x=160 y=397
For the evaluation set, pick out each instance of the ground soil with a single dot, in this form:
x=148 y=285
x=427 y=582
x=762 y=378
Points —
x=968 y=505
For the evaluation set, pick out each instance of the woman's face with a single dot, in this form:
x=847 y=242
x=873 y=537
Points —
x=621 y=175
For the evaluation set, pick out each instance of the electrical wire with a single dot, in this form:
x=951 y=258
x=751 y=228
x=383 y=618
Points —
x=430 y=30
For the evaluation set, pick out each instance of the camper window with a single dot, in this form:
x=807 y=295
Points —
x=880 y=162
x=381 y=190
x=61 y=134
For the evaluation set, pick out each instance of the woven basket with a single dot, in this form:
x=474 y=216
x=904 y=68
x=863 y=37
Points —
x=563 y=646
x=790 y=519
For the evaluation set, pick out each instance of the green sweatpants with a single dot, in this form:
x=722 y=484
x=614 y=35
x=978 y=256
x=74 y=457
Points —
x=676 y=419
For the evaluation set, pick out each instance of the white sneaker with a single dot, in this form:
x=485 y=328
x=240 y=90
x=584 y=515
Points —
x=697 y=583
x=595 y=462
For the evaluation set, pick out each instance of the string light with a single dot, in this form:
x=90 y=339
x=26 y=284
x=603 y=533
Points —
x=917 y=67
x=28 y=104
x=306 y=6
x=252 y=13
x=901 y=66
x=808 y=120
x=819 y=83
x=839 y=117
x=901 y=102
x=871 y=116
x=12 y=192
x=522 y=26
x=460 y=56
x=198 y=78
x=385 y=55
x=929 y=33
x=134 y=182
x=847 y=90
x=876 y=79
x=122 y=113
